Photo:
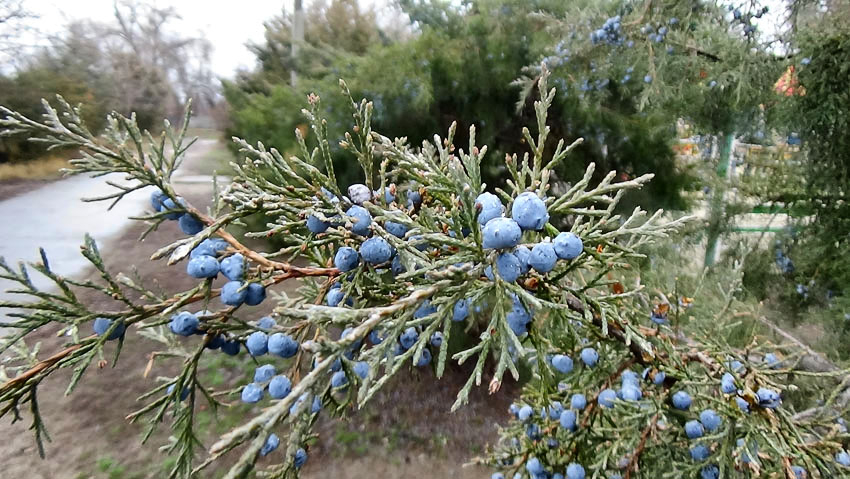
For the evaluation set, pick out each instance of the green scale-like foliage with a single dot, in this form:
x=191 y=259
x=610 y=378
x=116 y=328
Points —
x=594 y=299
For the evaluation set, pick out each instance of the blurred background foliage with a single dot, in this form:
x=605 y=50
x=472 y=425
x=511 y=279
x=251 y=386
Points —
x=138 y=63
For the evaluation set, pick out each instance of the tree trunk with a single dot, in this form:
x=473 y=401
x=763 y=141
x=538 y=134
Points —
x=297 y=38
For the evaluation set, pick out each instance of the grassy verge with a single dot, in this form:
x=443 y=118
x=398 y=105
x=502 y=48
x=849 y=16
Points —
x=46 y=168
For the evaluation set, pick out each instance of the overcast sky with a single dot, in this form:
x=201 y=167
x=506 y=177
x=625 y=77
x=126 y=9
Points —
x=228 y=25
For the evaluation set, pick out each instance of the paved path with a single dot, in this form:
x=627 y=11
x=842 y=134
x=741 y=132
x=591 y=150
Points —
x=53 y=217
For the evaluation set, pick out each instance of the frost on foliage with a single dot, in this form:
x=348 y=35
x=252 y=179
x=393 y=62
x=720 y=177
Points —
x=393 y=263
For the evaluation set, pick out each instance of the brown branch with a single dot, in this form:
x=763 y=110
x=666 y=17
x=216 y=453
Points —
x=152 y=310
x=42 y=365
x=633 y=461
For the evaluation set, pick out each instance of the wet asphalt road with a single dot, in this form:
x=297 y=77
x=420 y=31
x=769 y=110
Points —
x=54 y=217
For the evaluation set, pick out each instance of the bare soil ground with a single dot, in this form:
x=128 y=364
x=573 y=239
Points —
x=405 y=431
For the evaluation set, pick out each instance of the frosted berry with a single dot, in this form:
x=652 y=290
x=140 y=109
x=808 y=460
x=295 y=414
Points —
x=252 y=393
x=742 y=403
x=233 y=267
x=361 y=219
x=710 y=419
x=202 y=267
x=543 y=257
x=589 y=357
x=727 y=383
x=424 y=309
x=606 y=398
x=397 y=267
x=841 y=457
x=424 y=358
x=508 y=266
x=525 y=413
x=534 y=466
x=630 y=392
x=359 y=193
x=209 y=247
x=768 y=398
x=255 y=294
x=175 y=211
x=389 y=197
x=529 y=211
x=501 y=233
x=682 y=400
x=335 y=296
x=519 y=317
x=316 y=226
x=157 y=197
x=346 y=259
x=418 y=242
x=101 y=325
x=460 y=311
x=437 y=339
x=568 y=420
x=376 y=250
x=190 y=225
x=230 y=348
x=299 y=458
x=361 y=369
x=395 y=229
x=282 y=345
x=523 y=254
x=694 y=429
x=233 y=294
x=490 y=207
x=568 y=245
x=709 y=472
x=184 y=324
x=279 y=387
x=414 y=198
x=771 y=360
x=699 y=452
x=183 y=394
x=578 y=401
x=257 y=343
x=562 y=363
x=339 y=380
x=575 y=471
x=264 y=373
x=408 y=337
x=272 y=442
x=555 y=410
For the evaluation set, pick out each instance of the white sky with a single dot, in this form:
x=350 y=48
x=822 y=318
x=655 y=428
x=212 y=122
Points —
x=228 y=25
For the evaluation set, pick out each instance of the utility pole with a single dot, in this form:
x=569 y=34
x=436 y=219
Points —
x=297 y=38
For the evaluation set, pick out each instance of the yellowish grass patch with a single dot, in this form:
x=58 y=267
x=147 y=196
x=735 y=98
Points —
x=40 y=169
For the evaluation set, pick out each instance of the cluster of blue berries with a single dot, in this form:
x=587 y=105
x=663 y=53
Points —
x=658 y=33
x=161 y=203
x=204 y=263
x=785 y=264
x=299 y=458
x=746 y=19
x=609 y=33
x=528 y=212
x=374 y=250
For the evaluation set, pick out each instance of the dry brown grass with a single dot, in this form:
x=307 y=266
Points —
x=40 y=169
